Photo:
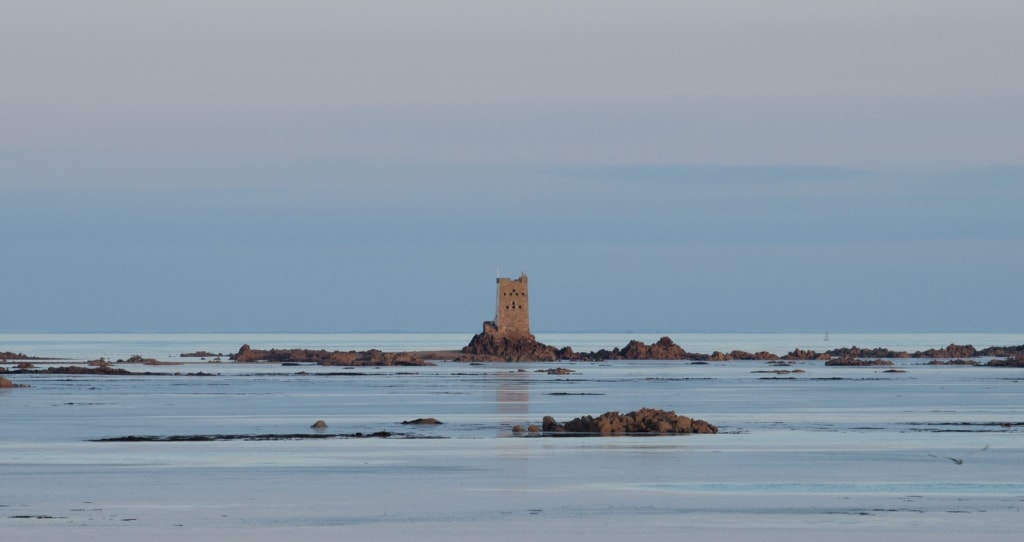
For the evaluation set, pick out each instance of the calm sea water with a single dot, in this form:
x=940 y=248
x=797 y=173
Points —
x=833 y=453
x=169 y=346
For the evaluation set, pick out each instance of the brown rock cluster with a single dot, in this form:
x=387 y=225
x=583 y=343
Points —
x=854 y=362
x=247 y=354
x=423 y=421
x=200 y=354
x=6 y=356
x=139 y=360
x=101 y=369
x=740 y=354
x=493 y=347
x=1012 y=361
x=643 y=421
x=954 y=362
x=951 y=351
x=806 y=355
x=490 y=347
x=855 y=352
x=1002 y=351
x=557 y=371
x=4 y=383
x=665 y=348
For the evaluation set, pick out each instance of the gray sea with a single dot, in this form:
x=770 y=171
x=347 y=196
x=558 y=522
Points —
x=915 y=451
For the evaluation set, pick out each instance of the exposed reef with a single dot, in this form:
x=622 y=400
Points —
x=96 y=370
x=247 y=354
x=643 y=421
x=854 y=362
x=261 y=436
x=101 y=370
x=423 y=421
x=954 y=362
x=4 y=383
x=138 y=360
x=1012 y=361
x=664 y=348
x=487 y=347
x=201 y=354
x=8 y=356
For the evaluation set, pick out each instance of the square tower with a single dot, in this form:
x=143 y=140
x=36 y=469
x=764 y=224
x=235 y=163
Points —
x=513 y=315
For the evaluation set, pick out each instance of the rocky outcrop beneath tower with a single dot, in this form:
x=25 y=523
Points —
x=494 y=347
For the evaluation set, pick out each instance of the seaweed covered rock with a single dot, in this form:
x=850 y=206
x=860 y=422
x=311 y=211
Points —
x=373 y=357
x=643 y=421
x=854 y=362
x=97 y=370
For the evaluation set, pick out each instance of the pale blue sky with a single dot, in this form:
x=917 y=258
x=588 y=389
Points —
x=652 y=165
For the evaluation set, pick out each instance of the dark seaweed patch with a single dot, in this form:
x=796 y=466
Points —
x=259 y=437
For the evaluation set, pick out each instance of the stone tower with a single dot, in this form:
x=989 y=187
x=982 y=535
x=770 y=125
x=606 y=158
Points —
x=512 y=319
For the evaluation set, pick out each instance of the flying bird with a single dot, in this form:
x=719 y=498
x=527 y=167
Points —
x=960 y=460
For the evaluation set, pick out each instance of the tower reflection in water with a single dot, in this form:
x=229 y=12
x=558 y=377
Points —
x=513 y=402
x=513 y=406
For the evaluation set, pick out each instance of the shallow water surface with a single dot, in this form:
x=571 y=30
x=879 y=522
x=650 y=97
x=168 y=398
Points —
x=835 y=453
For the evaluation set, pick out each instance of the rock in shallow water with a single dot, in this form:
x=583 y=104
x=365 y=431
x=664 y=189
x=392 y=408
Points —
x=422 y=421
x=643 y=421
x=4 y=383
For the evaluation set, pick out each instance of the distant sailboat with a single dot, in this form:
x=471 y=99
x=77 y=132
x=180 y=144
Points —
x=826 y=335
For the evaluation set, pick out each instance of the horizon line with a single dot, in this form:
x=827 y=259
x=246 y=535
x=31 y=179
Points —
x=559 y=332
